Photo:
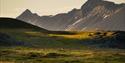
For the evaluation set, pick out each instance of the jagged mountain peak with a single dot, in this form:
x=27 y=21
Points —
x=27 y=11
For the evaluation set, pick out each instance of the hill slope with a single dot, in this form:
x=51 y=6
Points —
x=10 y=29
x=10 y=23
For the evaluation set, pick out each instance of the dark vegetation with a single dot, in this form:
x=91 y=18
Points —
x=6 y=40
x=55 y=55
x=101 y=40
x=63 y=32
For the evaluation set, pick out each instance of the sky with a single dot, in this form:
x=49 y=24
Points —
x=13 y=8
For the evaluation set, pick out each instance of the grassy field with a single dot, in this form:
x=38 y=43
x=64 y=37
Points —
x=34 y=55
x=57 y=48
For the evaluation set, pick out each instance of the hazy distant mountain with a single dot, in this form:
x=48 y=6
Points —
x=29 y=17
x=57 y=22
x=93 y=15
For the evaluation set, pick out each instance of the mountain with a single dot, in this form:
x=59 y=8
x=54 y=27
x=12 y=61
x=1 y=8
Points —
x=58 y=22
x=10 y=23
x=29 y=17
x=93 y=15
x=100 y=15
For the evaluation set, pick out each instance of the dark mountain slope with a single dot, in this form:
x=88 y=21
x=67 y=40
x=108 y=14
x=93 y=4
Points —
x=13 y=23
x=17 y=24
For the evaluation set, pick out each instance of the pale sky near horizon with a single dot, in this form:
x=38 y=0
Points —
x=13 y=8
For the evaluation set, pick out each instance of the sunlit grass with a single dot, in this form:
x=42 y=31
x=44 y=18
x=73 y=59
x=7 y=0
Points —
x=32 y=33
x=84 y=35
x=73 y=36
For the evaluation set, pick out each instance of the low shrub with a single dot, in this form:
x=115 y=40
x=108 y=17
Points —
x=35 y=55
x=54 y=55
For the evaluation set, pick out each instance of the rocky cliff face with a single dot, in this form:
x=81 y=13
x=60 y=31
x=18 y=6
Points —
x=93 y=15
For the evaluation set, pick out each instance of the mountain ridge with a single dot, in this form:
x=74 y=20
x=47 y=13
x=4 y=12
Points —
x=91 y=13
